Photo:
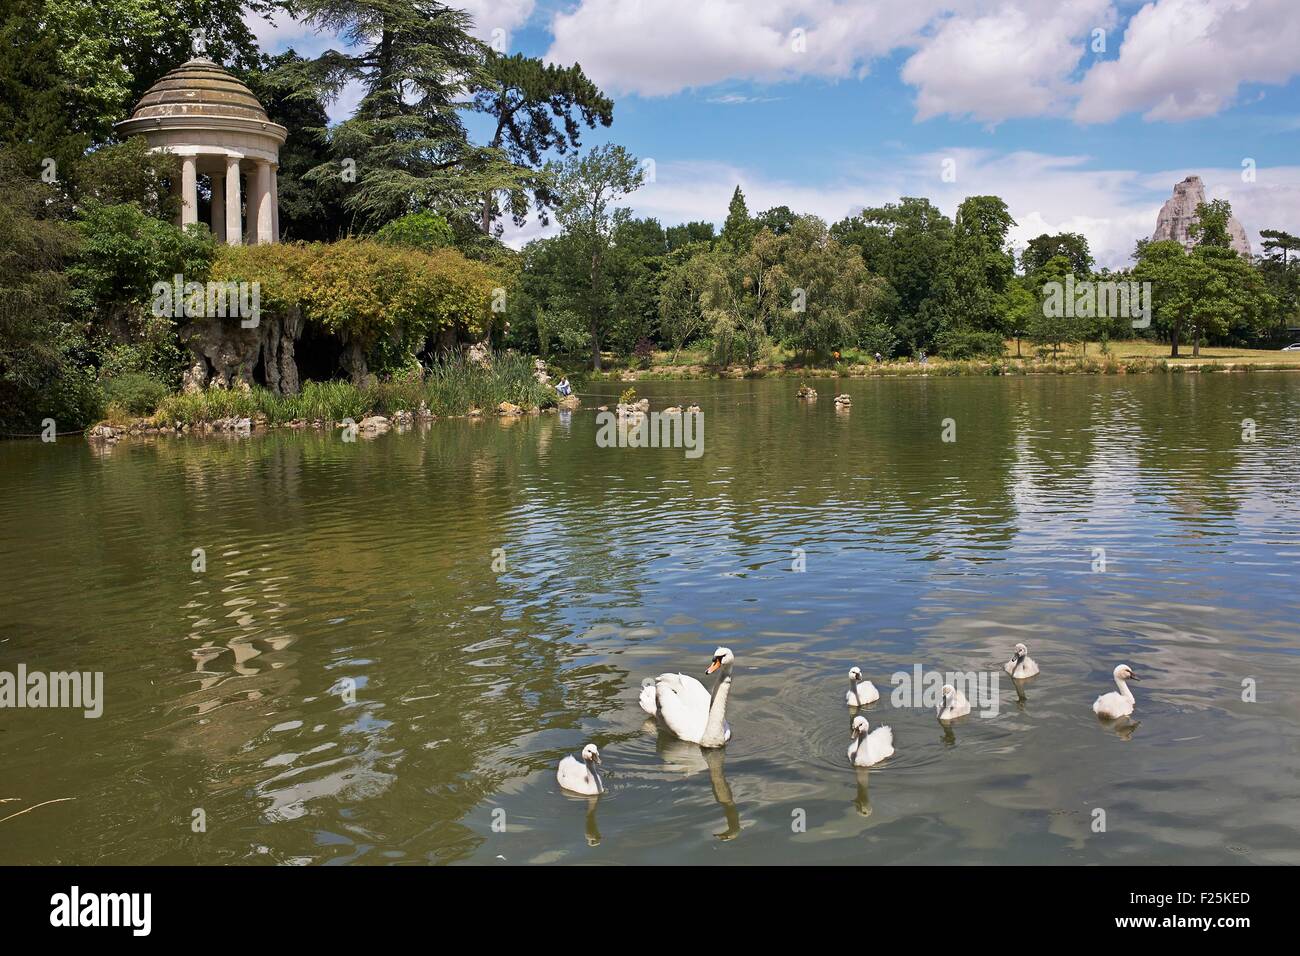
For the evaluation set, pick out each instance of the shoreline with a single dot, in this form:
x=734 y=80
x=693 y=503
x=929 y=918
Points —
x=941 y=368
x=373 y=424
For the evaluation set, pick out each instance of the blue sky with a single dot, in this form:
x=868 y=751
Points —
x=1082 y=114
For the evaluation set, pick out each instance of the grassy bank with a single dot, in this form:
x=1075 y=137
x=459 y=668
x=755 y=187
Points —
x=452 y=387
x=1120 y=358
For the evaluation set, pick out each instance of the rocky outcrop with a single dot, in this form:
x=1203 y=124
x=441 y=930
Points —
x=843 y=400
x=807 y=393
x=225 y=354
x=1179 y=213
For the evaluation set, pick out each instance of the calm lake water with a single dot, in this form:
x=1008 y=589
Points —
x=373 y=561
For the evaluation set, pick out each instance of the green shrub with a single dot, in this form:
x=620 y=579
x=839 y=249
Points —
x=417 y=230
x=136 y=393
x=968 y=344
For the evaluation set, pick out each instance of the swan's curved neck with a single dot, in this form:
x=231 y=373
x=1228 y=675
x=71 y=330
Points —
x=715 y=728
x=1124 y=692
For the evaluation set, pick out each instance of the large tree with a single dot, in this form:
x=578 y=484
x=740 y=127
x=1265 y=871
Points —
x=536 y=107
x=406 y=143
x=1072 y=245
x=908 y=244
x=824 y=294
x=588 y=189
x=72 y=68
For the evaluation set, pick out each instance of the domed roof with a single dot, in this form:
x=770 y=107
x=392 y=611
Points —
x=199 y=87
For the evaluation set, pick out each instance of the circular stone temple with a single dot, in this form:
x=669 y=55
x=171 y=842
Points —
x=215 y=124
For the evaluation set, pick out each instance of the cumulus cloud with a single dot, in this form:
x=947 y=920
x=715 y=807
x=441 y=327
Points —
x=986 y=59
x=1014 y=61
x=491 y=15
x=1183 y=59
x=666 y=46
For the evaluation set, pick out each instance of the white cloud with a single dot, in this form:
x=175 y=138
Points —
x=1045 y=193
x=1013 y=61
x=988 y=59
x=1182 y=59
x=490 y=15
x=666 y=46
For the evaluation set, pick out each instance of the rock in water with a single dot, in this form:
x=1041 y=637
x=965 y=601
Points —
x=1179 y=212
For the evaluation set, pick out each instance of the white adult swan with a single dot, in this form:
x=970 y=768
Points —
x=953 y=705
x=690 y=711
x=860 y=691
x=581 y=776
x=868 y=749
x=1021 y=664
x=1117 y=703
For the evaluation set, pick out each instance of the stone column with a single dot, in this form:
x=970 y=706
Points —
x=265 y=225
x=275 y=203
x=234 y=234
x=218 y=219
x=189 y=191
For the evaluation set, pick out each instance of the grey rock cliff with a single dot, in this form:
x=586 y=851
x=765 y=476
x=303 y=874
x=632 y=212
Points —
x=1179 y=212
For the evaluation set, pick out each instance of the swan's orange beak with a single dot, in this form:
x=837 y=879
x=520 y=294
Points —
x=714 y=666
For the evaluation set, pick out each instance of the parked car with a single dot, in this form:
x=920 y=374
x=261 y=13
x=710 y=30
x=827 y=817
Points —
x=1293 y=347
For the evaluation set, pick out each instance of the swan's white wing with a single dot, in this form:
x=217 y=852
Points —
x=1112 y=705
x=683 y=705
x=880 y=743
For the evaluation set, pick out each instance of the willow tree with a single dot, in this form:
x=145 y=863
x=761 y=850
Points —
x=405 y=147
x=537 y=108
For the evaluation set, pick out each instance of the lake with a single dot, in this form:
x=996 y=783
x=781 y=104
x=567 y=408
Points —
x=359 y=675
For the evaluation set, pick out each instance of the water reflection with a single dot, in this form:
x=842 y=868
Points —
x=371 y=565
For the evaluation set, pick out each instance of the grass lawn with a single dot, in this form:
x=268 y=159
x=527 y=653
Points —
x=1141 y=348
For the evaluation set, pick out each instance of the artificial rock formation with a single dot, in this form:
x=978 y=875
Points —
x=224 y=354
x=1179 y=212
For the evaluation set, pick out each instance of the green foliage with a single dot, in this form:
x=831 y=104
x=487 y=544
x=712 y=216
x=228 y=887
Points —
x=128 y=172
x=311 y=210
x=739 y=229
x=533 y=105
x=907 y=244
x=124 y=251
x=43 y=356
x=966 y=343
x=452 y=386
x=1207 y=293
x=136 y=393
x=688 y=233
x=823 y=296
x=587 y=189
x=1044 y=247
x=417 y=230
x=417 y=65
x=393 y=301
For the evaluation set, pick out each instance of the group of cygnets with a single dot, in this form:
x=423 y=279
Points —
x=695 y=714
